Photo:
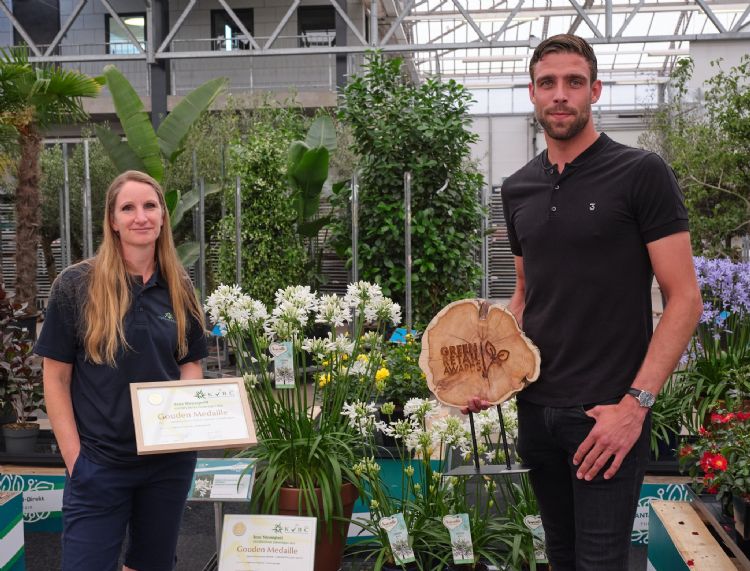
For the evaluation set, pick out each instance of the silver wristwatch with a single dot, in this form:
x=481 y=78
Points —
x=644 y=398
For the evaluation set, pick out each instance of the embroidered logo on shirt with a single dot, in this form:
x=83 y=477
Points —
x=167 y=317
x=592 y=206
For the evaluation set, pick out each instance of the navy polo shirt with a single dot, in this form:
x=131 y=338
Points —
x=582 y=235
x=100 y=393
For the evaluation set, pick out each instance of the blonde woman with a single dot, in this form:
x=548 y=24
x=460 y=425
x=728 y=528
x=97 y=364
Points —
x=128 y=314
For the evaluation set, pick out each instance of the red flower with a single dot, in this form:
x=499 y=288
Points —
x=706 y=461
x=743 y=415
x=719 y=462
x=703 y=432
x=716 y=418
x=728 y=417
x=686 y=450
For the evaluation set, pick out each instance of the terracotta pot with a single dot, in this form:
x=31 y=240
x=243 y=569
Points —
x=329 y=547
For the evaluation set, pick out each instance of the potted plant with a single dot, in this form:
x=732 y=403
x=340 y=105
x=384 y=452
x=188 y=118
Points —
x=306 y=447
x=426 y=497
x=719 y=462
x=21 y=381
x=719 y=355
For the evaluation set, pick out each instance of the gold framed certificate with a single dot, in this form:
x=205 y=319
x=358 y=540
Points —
x=199 y=414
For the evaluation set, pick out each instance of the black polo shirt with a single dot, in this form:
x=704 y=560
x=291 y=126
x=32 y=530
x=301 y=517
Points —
x=100 y=393
x=582 y=235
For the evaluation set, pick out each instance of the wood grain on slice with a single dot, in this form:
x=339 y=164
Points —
x=473 y=348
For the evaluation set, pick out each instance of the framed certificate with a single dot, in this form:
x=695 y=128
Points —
x=200 y=414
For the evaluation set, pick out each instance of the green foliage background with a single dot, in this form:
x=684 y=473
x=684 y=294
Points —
x=708 y=145
x=272 y=256
x=398 y=127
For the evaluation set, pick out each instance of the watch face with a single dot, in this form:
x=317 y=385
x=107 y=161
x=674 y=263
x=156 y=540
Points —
x=646 y=399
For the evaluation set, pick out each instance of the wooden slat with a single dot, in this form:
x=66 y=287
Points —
x=690 y=536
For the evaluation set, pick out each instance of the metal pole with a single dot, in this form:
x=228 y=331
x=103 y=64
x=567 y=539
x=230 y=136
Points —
x=484 y=248
x=65 y=212
x=373 y=22
x=355 y=228
x=88 y=238
x=202 y=239
x=407 y=246
x=238 y=230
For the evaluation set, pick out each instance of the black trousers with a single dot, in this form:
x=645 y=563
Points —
x=587 y=525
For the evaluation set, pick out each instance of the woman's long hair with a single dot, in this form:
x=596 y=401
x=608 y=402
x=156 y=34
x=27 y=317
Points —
x=109 y=298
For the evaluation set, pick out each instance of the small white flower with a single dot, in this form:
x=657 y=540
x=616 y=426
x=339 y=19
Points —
x=382 y=310
x=420 y=408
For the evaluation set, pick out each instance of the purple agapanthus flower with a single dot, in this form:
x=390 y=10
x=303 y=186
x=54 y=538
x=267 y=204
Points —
x=725 y=286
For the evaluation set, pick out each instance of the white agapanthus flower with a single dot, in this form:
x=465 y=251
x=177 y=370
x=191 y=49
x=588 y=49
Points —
x=333 y=311
x=287 y=321
x=298 y=296
x=227 y=306
x=362 y=416
x=382 y=309
x=318 y=346
x=420 y=409
x=342 y=344
x=451 y=431
x=486 y=422
x=360 y=292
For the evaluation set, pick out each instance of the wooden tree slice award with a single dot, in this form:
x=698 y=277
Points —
x=473 y=348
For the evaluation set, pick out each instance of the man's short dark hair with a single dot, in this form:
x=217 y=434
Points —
x=565 y=43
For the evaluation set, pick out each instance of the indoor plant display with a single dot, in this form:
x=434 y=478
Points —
x=719 y=461
x=306 y=447
x=719 y=356
x=426 y=442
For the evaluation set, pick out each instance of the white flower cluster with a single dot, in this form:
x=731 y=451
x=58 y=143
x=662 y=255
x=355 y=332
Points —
x=229 y=307
x=420 y=409
x=362 y=417
x=333 y=311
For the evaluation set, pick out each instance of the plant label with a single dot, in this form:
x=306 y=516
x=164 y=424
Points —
x=460 y=530
x=398 y=537
x=283 y=364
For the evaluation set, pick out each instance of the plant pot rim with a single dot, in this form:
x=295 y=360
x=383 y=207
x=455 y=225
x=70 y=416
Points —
x=20 y=425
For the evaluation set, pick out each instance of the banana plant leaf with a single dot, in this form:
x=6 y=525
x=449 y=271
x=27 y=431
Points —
x=171 y=197
x=308 y=172
x=134 y=119
x=118 y=151
x=176 y=126
x=188 y=252
x=311 y=228
x=322 y=133
x=188 y=201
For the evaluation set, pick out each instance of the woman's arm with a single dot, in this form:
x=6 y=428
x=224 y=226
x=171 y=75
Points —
x=191 y=370
x=57 y=378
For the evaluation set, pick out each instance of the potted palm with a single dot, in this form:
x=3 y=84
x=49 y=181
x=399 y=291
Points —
x=306 y=445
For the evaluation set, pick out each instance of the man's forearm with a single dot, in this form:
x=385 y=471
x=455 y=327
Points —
x=670 y=339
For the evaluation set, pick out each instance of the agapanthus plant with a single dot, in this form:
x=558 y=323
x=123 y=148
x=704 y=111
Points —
x=719 y=460
x=304 y=440
x=718 y=359
x=429 y=442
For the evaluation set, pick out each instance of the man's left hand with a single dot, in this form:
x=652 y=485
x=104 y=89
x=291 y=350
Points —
x=616 y=430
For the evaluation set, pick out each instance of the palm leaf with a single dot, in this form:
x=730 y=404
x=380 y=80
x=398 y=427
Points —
x=188 y=252
x=119 y=152
x=188 y=201
x=129 y=108
x=176 y=126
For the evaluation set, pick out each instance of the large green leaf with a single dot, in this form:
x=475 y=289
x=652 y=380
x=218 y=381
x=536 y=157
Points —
x=175 y=127
x=171 y=198
x=188 y=253
x=322 y=133
x=129 y=108
x=310 y=229
x=118 y=151
x=187 y=201
x=308 y=174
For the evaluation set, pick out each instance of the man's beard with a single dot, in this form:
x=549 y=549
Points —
x=564 y=133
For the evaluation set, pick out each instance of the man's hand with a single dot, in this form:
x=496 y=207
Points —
x=475 y=404
x=616 y=430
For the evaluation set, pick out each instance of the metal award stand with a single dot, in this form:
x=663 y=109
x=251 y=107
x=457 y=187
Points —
x=491 y=469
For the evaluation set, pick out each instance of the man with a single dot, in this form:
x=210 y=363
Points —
x=590 y=221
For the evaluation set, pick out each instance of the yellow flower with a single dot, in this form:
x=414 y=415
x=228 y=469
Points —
x=362 y=358
x=324 y=379
x=344 y=357
x=382 y=374
x=326 y=363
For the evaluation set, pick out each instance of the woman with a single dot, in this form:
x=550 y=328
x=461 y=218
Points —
x=127 y=315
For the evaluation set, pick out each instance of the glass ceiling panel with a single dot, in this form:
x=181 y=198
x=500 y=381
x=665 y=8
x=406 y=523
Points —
x=644 y=37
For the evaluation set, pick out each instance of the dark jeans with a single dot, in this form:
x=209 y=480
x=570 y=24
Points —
x=587 y=524
x=101 y=502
